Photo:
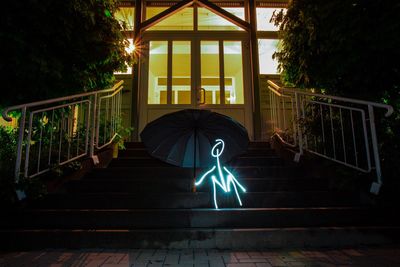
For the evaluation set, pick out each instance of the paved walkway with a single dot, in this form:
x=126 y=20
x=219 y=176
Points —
x=377 y=257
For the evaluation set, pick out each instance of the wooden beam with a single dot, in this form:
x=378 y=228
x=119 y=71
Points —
x=165 y=14
x=255 y=70
x=135 y=73
x=225 y=14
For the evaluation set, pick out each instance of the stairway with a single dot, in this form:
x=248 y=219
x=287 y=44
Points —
x=141 y=202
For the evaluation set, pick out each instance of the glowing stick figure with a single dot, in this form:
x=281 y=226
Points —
x=223 y=182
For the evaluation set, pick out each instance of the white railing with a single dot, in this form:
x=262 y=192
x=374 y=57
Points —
x=336 y=128
x=59 y=131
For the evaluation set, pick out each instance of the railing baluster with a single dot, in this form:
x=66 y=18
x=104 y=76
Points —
x=343 y=141
x=284 y=114
x=40 y=142
x=61 y=128
x=51 y=137
x=354 y=138
x=21 y=135
x=323 y=129
x=28 y=146
x=69 y=133
x=333 y=132
x=78 y=126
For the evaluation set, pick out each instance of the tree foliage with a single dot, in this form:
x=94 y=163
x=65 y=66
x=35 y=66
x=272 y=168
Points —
x=348 y=48
x=54 y=48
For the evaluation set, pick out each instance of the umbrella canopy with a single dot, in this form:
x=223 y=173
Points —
x=185 y=138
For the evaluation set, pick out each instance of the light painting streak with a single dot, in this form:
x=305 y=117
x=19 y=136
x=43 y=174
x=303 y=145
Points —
x=224 y=181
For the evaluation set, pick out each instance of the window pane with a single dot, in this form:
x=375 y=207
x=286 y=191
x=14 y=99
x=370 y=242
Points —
x=237 y=11
x=181 y=71
x=158 y=62
x=126 y=15
x=210 y=71
x=130 y=51
x=180 y=21
x=266 y=48
x=233 y=69
x=264 y=16
x=209 y=21
x=152 y=11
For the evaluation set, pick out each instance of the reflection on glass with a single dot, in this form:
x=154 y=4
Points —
x=158 y=62
x=125 y=15
x=209 y=21
x=181 y=71
x=266 y=48
x=209 y=61
x=233 y=69
x=264 y=16
x=180 y=21
x=128 y=49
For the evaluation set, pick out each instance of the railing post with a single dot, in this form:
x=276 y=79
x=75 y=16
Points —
x=93 y=130
x=375 y=187
x=20 y=144
x=299 y=131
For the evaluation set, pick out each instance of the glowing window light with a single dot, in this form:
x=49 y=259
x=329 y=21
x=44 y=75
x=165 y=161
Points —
x=225 y=181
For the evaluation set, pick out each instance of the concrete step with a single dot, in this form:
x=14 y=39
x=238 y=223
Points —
x=239 y=161
x=198 y=218
x=185 y=185
x=166 y=172
x=168 y=200
x=142 y=152
x=258 y=238
x=252 y=145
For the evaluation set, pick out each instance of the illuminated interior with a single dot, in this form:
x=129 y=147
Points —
x=158 y=62
x=181 y=21
x=181 y=72
x=181 y=80
x=209 y=21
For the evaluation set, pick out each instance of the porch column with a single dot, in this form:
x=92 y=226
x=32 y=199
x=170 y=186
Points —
x=255 y=69
x=136 y=71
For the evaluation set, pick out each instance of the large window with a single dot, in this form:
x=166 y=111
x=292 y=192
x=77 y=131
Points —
x=264 y=16
x=181 y=72
x=184 y=19
x=266 y=48
x=125 y=15
x=157 y=82
x=209 y=21
x=268 y=42
x=180 y=21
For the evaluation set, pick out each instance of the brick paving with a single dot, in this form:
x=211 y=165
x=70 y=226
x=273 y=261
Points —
x=374 y=257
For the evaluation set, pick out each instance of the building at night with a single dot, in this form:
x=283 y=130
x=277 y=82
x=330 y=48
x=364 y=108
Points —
x=200 y=54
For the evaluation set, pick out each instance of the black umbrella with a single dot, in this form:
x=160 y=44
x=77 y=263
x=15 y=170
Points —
x=185 y=138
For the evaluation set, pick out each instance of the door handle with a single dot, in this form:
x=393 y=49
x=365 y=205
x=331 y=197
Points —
x=203 y=100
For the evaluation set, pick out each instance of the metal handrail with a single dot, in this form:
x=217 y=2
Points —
x=389 y=108
x=66 y=129
x=54 y=100
x=336 y=136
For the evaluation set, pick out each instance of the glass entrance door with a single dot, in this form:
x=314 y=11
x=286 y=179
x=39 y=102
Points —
x=217 y=78
x=197 y=72
x=221 y=74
